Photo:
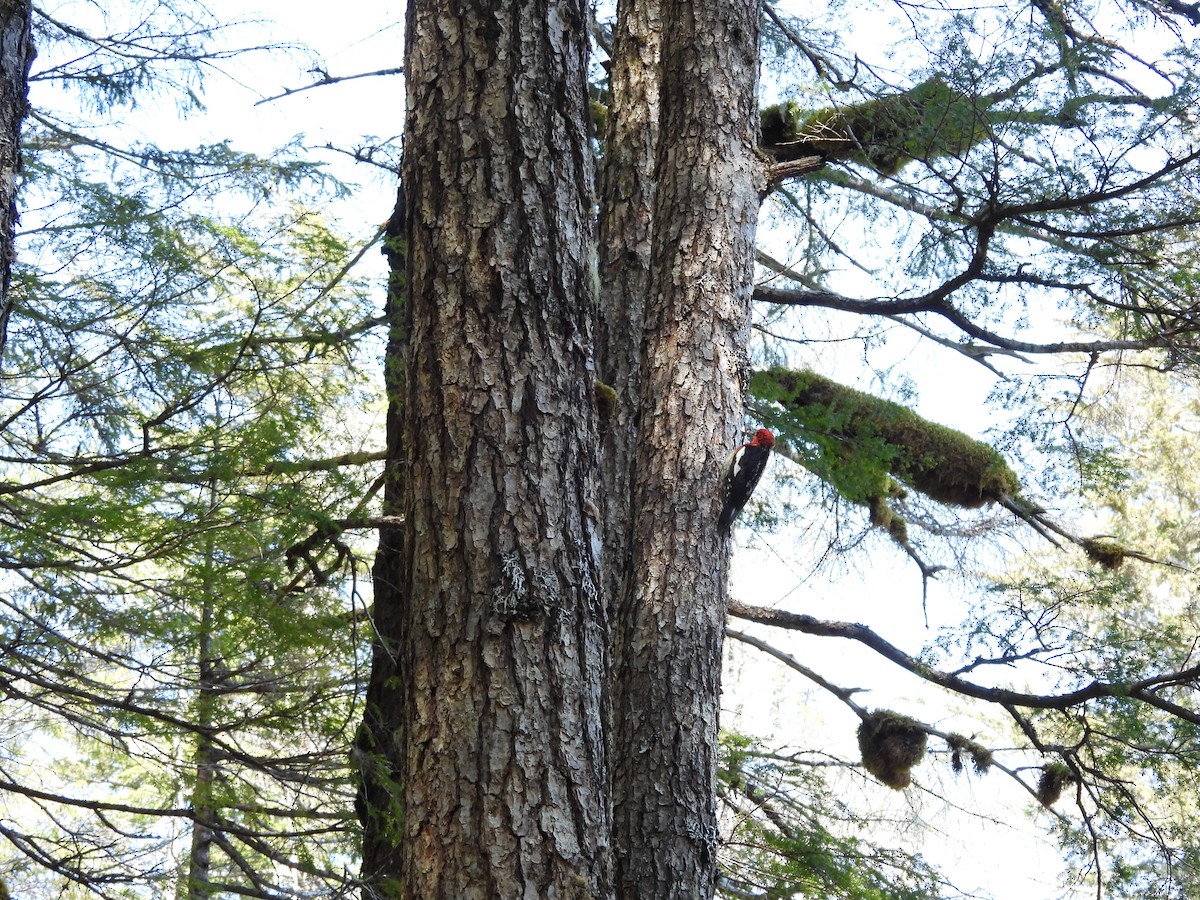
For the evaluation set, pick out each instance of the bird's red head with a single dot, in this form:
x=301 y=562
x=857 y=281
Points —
x=764 y=438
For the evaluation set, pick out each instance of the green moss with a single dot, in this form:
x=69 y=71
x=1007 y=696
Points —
x=861 y=444
x=883 y=516
x=891 y=745
x=1106 y=552
x=960 y=746
x=599 y=113
x=1054 y=777
x=928 y=121
x=606 y=401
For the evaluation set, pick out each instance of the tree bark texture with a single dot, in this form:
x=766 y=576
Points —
x=16 y=56
x=626 y=217
x=497 y=636
x=199 y=881
x=670 y=630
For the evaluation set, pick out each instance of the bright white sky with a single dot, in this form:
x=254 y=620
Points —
x=363 y=36
x=1002 y=859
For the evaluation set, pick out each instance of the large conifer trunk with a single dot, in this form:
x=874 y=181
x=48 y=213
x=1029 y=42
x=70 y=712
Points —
x=626 y=232
x=485 y=709
x=672 y=624
x=493 y=632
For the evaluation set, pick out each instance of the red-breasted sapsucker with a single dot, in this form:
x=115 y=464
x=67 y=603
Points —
x=742 y=471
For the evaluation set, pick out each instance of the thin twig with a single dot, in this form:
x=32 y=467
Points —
x=327 y=79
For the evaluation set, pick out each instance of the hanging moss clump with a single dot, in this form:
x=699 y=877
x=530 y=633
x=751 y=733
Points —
x=599 y=113
x=883 y=516
x=960 y=746
x=605 y=396
x=927 y=121
x=891 y=745
x=1105 y=552
x=861 y=444
x=1054 y=777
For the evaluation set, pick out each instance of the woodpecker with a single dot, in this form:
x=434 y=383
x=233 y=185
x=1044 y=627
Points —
x=742 y=471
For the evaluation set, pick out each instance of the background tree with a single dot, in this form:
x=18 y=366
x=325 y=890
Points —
x=16 y=56
x=181 y=620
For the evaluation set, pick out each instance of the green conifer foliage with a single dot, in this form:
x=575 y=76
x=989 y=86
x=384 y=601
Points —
x=184 y=495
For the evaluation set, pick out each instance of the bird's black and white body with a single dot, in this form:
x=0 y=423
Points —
x=743 y=469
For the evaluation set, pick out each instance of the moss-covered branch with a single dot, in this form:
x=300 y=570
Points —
x=927 y=121
x=873 y=451
x=866 y=447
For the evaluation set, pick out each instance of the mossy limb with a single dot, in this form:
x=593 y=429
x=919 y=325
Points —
x=779 y=123
x=883 y=516
x=1105 y=552
x=928 y=121
x=861 y=444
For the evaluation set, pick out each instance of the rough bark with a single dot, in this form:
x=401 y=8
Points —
x=16 y=56
x=626 y=217
x=199 y=881
x=489 y=608
x=671 y=627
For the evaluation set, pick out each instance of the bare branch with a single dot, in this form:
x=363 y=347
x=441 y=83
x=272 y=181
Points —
x=843 y=694
x=778 y=173
x=1191 y=11
x=935 y=303
x=325 y=79
x=823 y=67
x=1139 y=690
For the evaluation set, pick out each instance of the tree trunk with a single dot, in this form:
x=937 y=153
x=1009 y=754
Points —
x=199 y=880
x=16 y=56
x=626 y=229
x=376 y=752
x=198 y=885
x=490 y=609
x=671 y=628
